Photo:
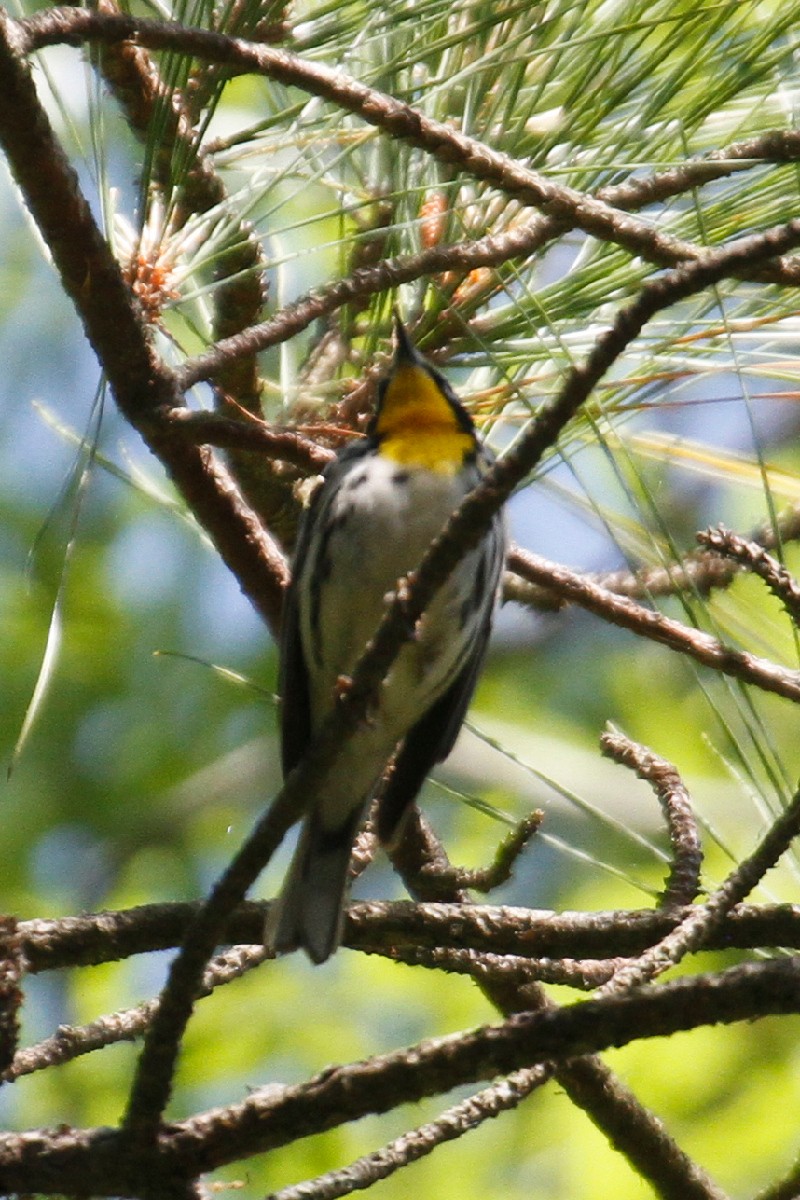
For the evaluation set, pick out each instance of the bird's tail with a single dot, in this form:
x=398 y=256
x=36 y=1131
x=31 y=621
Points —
x=310 y=910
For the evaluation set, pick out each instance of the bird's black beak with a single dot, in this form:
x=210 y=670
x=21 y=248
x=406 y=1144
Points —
x=404 y=349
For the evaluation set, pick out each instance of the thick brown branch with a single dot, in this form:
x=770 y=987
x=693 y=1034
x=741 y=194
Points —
x=211 y=429
x=105 y=1162
x=49 y=945
x=523 y=1040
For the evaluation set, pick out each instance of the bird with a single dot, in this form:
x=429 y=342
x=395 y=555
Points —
x=381 y=503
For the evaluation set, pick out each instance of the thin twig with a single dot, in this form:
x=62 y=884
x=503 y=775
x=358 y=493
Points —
x=506 y=970
x=683 y=882
x=73 y=1041
x=698 y=922
x=700 y=571
x=441 y=879
x=755 y=558
x=410 y=1147
x=702 y=647
x=365 y=281
x=11 y=971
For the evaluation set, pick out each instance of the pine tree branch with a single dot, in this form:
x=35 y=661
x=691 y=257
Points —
x=417 y=1143
x=395 y=118
x=683 y=882
x=141 y=384
x=629 y=1125
x=690 y=934
x=377 y=926
x=704 y=648
x=73 y=1041
x=152 y=1085
x=11 y=971
x=106 y=1162
x=700 y=571
x=753 y=557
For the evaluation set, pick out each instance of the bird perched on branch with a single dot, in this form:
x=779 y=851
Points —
x=383 y=500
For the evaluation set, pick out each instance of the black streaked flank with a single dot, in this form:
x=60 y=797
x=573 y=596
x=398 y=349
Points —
x=357 y=482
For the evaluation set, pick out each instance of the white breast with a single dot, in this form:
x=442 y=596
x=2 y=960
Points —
x=385 y=517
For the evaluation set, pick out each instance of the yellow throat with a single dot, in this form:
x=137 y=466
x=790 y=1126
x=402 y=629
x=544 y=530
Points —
x=417 y=425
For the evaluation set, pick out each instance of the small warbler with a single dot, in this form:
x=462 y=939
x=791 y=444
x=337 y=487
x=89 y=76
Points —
x=383 y=500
